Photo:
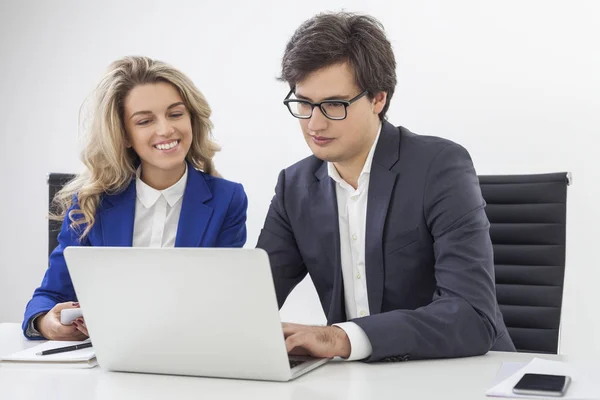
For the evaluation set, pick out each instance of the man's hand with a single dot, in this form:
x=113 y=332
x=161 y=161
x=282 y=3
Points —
x=50 y=327
x=316 y=341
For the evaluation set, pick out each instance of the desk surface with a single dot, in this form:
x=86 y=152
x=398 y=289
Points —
x=464 y=379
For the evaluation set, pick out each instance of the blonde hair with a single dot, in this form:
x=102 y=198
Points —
x=109 y=163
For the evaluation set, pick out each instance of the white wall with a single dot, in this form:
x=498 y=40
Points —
x=516 y=82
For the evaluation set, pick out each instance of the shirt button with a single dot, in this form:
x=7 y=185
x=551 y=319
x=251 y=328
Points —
x=354 y=197
x=357 y=276
x=354 y=237
x=363 y=313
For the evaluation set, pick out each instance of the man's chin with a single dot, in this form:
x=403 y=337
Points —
x=323 y=154
x=325 y=157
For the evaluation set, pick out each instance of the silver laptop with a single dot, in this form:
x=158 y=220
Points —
x=183 y=311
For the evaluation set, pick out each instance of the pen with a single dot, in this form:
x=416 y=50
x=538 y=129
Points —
x=65 y=349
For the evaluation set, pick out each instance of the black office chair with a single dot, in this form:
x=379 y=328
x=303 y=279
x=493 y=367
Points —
x=528 y=230
x=56 y=181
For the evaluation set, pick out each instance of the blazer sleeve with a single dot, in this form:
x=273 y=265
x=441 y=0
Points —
x=56 y=286
x=233 y=230
x=278 y=240
x=460 y=320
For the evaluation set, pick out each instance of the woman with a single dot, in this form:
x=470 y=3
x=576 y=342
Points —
x=149 y=182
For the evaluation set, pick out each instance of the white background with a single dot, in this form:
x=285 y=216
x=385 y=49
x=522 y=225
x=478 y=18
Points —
x=516 y=82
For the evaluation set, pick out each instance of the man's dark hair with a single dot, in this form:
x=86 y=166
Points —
x=332 y=38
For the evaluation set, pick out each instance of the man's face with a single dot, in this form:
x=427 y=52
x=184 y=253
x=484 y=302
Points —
x=343 y=140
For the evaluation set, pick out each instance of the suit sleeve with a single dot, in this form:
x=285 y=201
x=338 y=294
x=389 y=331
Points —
x=278 y=240
x=233 y=231
x=56 y=286
x=460 y=320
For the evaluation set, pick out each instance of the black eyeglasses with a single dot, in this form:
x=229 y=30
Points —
x=332 y=109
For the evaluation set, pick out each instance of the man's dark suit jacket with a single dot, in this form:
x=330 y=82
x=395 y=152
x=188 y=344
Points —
x=429 y=257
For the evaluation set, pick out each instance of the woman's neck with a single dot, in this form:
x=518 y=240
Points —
x=161 y=179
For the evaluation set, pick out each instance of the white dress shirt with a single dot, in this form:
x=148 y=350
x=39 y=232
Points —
x=157 y=213
x=352 y=214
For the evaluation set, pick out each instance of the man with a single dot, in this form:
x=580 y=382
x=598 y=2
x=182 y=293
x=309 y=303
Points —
x=390 y=225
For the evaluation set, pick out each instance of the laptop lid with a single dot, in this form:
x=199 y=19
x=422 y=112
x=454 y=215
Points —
x=185 y=311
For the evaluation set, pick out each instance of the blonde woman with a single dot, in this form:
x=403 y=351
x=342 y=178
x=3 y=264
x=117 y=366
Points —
x=149 y=182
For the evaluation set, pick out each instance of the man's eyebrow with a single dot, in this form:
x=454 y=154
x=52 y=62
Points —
x=336 y=97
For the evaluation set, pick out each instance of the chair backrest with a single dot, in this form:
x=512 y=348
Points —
x=56 y=181
x=527 y=214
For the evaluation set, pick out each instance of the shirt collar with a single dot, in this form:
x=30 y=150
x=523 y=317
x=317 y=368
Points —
x=334 y=174
x=148 y=196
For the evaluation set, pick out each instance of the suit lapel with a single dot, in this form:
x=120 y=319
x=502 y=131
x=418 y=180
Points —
x=381 y=186
x=117 y=218
x=324 y=217
x=195 y=214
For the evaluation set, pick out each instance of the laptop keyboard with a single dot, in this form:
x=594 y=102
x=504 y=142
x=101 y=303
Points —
x=295 y=363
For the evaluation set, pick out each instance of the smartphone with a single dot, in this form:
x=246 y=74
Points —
x=542 y=385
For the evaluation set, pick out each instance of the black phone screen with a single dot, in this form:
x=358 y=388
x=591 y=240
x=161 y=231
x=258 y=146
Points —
x=543 y=383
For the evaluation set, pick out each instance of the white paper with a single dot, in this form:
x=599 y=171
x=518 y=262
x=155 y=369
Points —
x=507 y=370
x=583 y=385
x=30 y=354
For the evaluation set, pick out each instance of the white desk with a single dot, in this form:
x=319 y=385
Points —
x=464 y=379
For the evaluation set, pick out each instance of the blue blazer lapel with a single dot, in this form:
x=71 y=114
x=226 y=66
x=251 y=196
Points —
x=381 y=187
x=195 y=215
x=324 y=216
x=117 y=217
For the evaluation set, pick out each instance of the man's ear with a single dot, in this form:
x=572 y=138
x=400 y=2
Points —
x=378 y=102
